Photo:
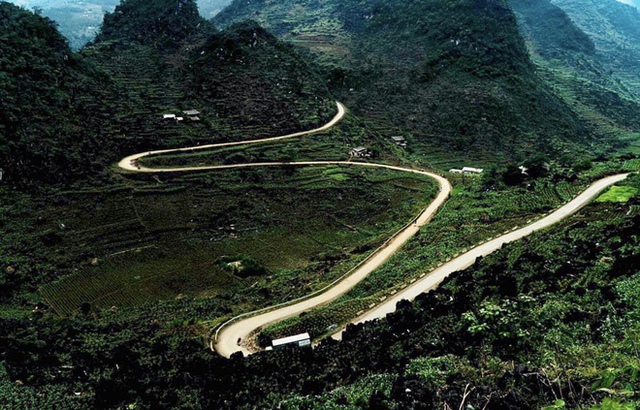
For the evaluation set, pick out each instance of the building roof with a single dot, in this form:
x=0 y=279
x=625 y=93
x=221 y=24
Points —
x=398 y=138
x=359 y=149
x=169 y=116
x=191 y=113
x=291 y=339
x=473 y=170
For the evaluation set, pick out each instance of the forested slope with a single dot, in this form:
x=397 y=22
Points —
x=51 y=107
x=580 y=50
x=458 y=77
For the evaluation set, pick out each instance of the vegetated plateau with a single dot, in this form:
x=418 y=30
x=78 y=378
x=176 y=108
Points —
x=112 y=283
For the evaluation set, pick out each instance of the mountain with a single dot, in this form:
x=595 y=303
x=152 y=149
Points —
x=161 y=23
x=458 y=77
x=52 y=115
x=246 y=82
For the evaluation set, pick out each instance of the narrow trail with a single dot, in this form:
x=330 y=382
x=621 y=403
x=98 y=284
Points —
x=240 y=327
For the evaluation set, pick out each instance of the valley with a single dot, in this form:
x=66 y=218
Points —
x=459 y=231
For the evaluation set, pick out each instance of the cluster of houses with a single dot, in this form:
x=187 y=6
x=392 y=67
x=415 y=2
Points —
x=191 y=115
x=467 y=170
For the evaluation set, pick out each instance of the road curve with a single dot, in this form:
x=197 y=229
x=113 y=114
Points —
x=225 y=341
x=433 y=279
x=130 y=163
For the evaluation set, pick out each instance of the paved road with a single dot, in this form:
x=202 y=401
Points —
x=433 y=279
x=130 y=163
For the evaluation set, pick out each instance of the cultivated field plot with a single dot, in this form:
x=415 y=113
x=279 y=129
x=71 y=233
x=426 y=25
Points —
x=293 y=229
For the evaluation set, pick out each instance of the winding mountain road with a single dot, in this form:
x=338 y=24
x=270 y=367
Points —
x=225 y=340
x=433 y=279
x=130 y=163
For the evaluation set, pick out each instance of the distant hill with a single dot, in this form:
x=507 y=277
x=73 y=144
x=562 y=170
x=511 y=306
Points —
x=79 y=21
x=455 y=74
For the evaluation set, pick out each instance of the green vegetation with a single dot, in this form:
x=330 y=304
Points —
x=66 y=116
x=111 y=284
x=479 y=208
x=578 y=66
x=618 y=194
x=162 y=23
x=614 y=29
x=528 y=326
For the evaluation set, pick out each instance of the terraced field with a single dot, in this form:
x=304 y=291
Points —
x=149 y=241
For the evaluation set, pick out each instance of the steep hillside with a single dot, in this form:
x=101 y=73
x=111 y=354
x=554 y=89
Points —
x=581 y=73
x=551 y=29
x=615 y=30
x=52 y=115
x=458 y=77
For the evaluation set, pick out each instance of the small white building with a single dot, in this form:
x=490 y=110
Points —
x=169 y=117
x=301 y=340
x=1 y=174
x=467 y=170
x=193 y=115
x=360 y=152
